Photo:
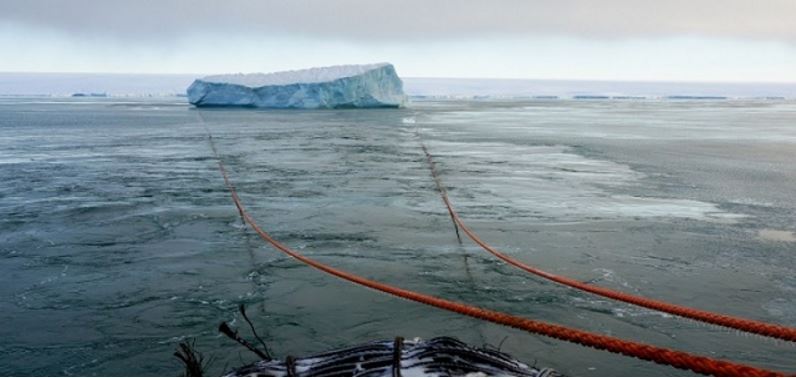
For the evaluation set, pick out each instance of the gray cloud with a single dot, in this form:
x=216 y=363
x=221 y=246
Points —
x=363 y=20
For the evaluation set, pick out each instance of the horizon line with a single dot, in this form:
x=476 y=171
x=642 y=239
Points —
x=197 y=75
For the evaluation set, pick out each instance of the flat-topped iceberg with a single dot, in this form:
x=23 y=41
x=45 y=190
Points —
x=349 y=86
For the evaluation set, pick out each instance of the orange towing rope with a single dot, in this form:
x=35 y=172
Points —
x=677 y=359
x=746 y=325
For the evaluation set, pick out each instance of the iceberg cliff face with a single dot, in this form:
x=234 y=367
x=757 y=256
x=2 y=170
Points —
x=351 y=86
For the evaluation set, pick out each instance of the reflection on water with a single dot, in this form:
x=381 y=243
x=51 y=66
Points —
x=119 y=238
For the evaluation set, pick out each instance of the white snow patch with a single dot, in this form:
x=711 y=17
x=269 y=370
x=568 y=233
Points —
x=776 y=235
x=304 y=76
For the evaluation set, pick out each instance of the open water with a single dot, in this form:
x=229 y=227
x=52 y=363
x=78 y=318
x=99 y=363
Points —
x=118 y=238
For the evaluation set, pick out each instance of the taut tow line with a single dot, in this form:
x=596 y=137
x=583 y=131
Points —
x=664 y=356
x=746 y=325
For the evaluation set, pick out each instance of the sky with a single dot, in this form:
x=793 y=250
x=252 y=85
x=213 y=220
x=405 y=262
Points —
x=663 y=40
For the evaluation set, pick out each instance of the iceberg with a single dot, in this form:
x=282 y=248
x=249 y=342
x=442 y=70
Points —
x=348 y=86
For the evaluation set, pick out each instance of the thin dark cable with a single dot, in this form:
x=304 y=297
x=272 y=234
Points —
x=242 y=309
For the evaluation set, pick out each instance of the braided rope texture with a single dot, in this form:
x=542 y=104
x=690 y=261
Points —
x=746 y=325
x=664 y=356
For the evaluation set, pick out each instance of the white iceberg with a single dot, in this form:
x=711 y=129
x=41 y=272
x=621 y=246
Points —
x=349 y=86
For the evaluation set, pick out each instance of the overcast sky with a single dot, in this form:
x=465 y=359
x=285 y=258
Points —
x=693 y=40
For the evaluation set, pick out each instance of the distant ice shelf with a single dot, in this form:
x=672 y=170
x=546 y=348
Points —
x=348 y=86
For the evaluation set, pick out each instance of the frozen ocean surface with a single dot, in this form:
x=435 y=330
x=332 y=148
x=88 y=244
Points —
x=119 y=239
